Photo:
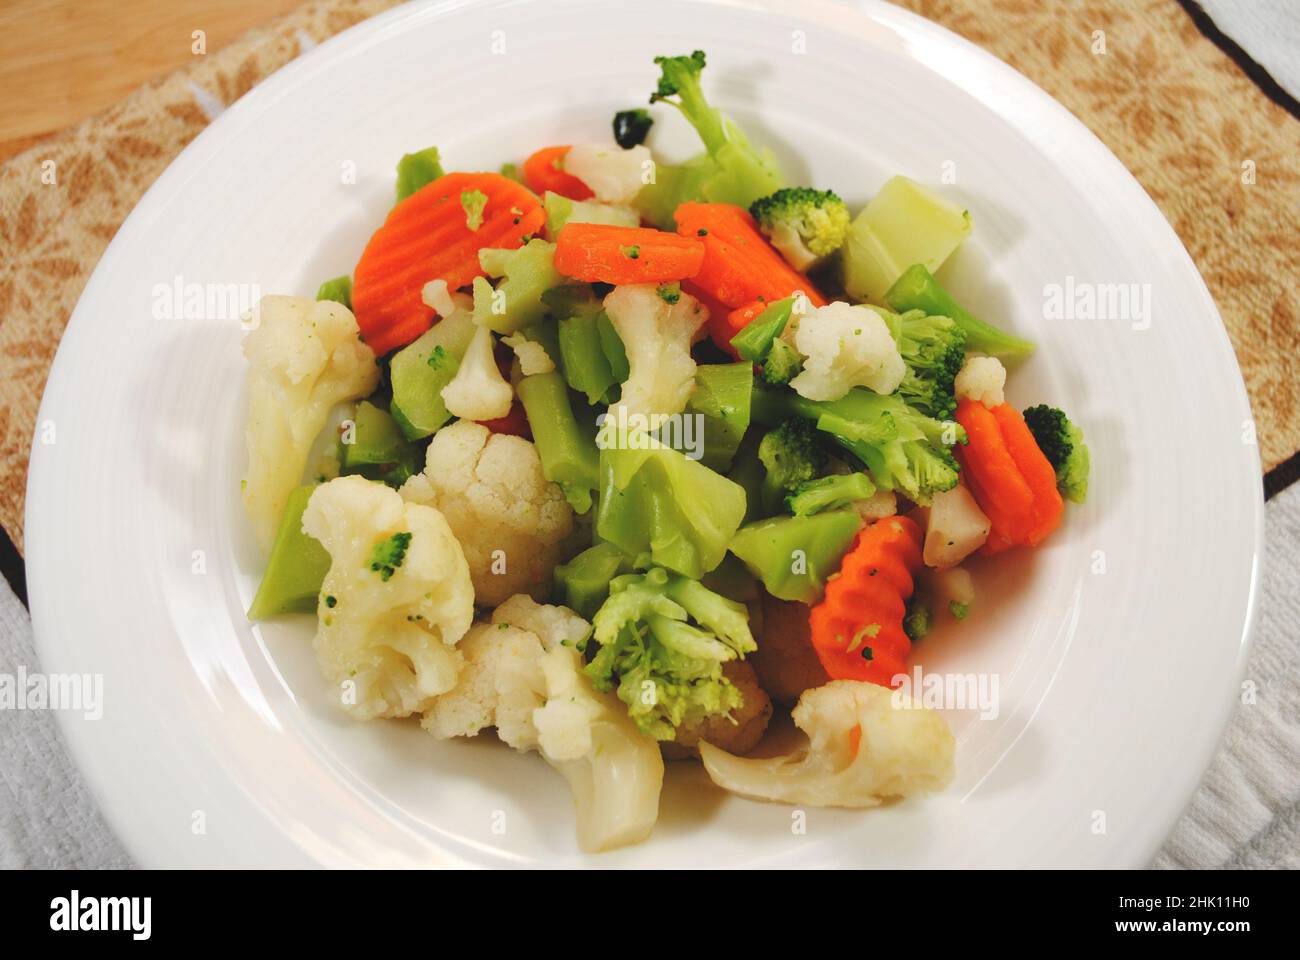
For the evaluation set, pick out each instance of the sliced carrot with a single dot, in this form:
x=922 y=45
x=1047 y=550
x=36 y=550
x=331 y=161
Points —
x=544 y=170
x=717 y=324
x=740 y=266
x=598 y=252
x=857 y=628
x=1035 y=468
x=994 y=479
x=426 y=238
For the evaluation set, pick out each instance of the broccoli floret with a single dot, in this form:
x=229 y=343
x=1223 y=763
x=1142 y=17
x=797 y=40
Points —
x=782 y=363
x=387 y=555
x=806 y=225
x=1062 y=443
x=732 y=171
x=631 y=127
x=646 y=643
x=827 y=493
x=916 y=622
x=902 y=448
x=680 y=77
x=790 y=455
x=934 y=349
x=958 y=610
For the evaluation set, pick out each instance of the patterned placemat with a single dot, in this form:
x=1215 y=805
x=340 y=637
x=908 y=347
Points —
x=1220 y=159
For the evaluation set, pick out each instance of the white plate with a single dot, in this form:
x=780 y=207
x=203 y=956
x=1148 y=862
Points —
x=217 y=745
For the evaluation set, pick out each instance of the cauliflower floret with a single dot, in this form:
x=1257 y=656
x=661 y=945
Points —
x=614 y=770
x=478 y=391
x=555 y=626
x=981 y=379
x=613 y=174
x=657 y=336
x=533 y=357
x=395 y=602
x=304 y=357
x=503 y=683
x=866 y=744
x=491 y=651
x=511 y=522
x=846 y=346
x=737 y=732
x=524 y=675
x=956 y=528
x=442 y=301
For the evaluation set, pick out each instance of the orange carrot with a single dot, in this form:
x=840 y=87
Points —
x=426 y=238
x=992 y=474
x=543 y=171
x=600 y=252
x=718 y=323
x=1035 y=468
x=740 y=266
x=997 y=540
x=857 y=628
x=1008 y=475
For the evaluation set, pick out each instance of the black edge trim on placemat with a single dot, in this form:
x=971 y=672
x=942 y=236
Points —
x=12 y=566
x=1282 y=476
x=1262 y=78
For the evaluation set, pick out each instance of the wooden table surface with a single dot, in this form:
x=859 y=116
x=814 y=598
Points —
x=62 y=61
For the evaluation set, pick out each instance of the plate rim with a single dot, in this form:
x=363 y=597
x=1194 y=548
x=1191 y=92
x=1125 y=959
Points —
x=42 y=584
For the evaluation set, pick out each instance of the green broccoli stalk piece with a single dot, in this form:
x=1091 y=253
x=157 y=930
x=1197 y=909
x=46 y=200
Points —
x=902 y=448
x=631 y=127
x=730 y=170
x=934 y=349
x=387 y=555
x=473 y=202
x=662 y=642
x=339 y=290
x=417 y=170
x=655 y=500
x=829 y=493
x=790 y=454
x=917 y=289
x=1062 y=443
x=728 y=620
x=806 y=225
x=757 y=337
x=916 y=621
x=782 y=364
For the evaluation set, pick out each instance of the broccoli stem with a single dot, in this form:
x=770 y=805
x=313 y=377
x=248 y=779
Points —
x=339 y=290
x=917 y=289
x=568 y=457
x=754 y=341
x=706 y=120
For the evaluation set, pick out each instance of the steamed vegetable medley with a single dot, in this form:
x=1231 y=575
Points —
x=612 y=456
